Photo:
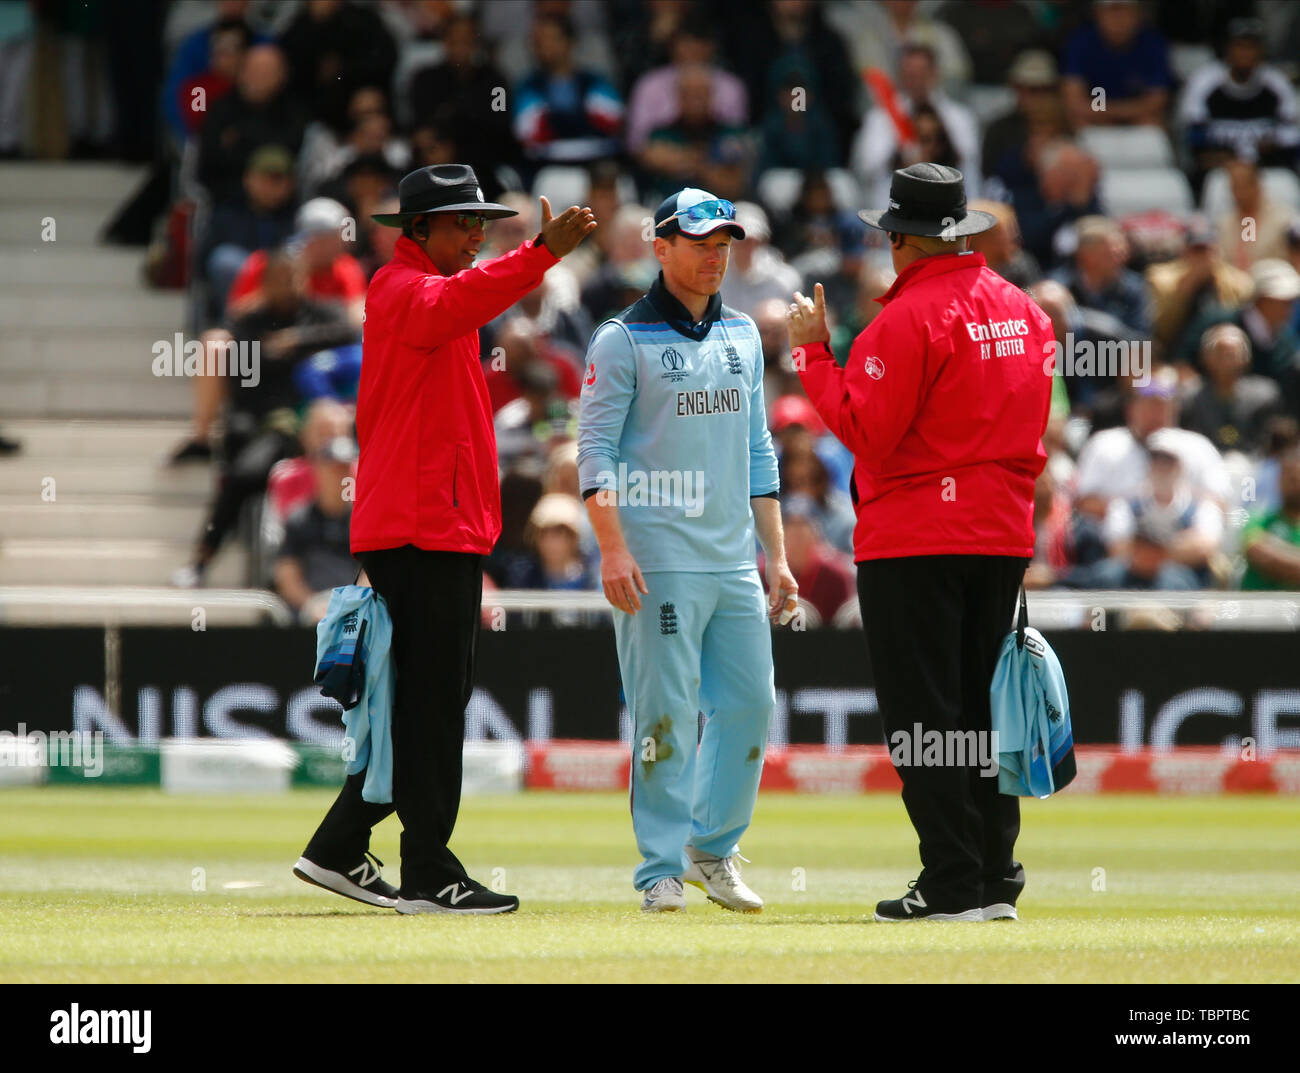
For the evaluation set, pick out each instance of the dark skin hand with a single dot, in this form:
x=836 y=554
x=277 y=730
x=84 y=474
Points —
x=564 y=233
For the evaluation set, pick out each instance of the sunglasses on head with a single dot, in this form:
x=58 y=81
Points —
x=705 y=211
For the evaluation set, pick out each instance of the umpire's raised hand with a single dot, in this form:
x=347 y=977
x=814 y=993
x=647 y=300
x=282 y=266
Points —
x=564 y=233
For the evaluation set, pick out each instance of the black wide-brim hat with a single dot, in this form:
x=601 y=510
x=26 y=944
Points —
x=441 y=188
x=928 y=200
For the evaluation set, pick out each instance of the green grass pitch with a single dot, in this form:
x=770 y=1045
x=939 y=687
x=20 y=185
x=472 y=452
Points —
x=98 y=885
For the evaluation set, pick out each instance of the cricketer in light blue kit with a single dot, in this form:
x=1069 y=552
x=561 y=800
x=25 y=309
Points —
x=677 y=468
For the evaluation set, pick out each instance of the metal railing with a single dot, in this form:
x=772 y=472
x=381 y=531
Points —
x=1048 y=609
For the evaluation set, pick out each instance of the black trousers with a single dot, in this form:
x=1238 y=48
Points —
x=934 y=625
x=433 y=598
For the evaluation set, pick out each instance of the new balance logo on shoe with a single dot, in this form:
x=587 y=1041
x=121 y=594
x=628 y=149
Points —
x=367 y=874
x=913 y=900
x=456 y=896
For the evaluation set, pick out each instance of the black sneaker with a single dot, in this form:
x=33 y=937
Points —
x=464 y=896
x=913 y=906
x=190 y=451
x=362 y=882
x=1000 y=897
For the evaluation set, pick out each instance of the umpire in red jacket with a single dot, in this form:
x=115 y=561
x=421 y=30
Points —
x=943 y=402
x=427 y=512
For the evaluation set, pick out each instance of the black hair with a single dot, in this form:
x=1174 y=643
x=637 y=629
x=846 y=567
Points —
x=563 y=22
x=409 y=228
x=232 y=25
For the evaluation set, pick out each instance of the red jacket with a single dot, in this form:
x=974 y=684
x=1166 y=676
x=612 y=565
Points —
x=428 y=469
x=943 y=402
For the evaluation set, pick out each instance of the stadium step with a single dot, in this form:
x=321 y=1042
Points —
x=93 y=395
x=109 y=562
x=149 y=315
x=97 y=439
x=120 y=518
x=53 y=265
x=24 y=475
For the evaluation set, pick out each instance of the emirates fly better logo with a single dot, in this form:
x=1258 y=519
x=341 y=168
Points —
x=874 y=367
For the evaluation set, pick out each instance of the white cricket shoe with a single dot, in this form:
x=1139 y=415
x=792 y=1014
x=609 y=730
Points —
x=719 y=878
x=664 y=897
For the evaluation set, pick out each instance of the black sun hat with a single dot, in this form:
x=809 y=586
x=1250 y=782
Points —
x=441 y=188
x=928 y=200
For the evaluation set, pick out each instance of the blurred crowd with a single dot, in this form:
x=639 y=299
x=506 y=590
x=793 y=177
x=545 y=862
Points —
x=1140 y=159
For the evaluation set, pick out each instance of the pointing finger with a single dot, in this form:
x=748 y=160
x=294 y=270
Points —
x=546 y=211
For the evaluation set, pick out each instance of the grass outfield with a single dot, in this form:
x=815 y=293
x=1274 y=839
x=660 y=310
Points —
x=96 y=886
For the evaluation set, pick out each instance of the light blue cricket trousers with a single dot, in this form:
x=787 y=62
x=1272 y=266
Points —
x=700 y=643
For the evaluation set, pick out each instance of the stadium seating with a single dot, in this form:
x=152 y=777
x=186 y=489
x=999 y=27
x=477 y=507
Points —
x=1128 y=148
x=1129 y=190
x=1280 y=186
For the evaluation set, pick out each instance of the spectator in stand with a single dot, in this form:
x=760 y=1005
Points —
x=1114 y=463
x=757 y=270
x=17 y=44
x=1012 y=141
x=1241 y=106
x=511 y=562
x=827 y=580
x=1099 y=280
x=994 y=32
x=554 y=535
x=792 y=45
x=507 y=30
x=519 y=345
x=804 y=473
x=195 y=56
x=459 y=94
x=1197 y=523
x=1002 y=248
x=627 y=265
x=228 y=42
x=779 y=377
x=291 y=483
x=654 y=100
x=880 y=32
x=380 y=240
x=1116 y=69
x=315 y=556
x=1267 y=319
x=1232 y=407
x=331 y=275
x=1193 y=284
x=261 y=219
x=695 y=149
x=555 y=305
x=797 y=131
x=564 y=113
x=1271 y=540
x=884 y=139
x=528 y=428
x=1255 y=228
x=1148 y=564
x=1065 y=190
x=261 y=427
x=364 y=182
x=325 y=156
x=259 y=112
x=1063 y=538
x=1264 y=491
x=334 y=48
x=797 y=428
